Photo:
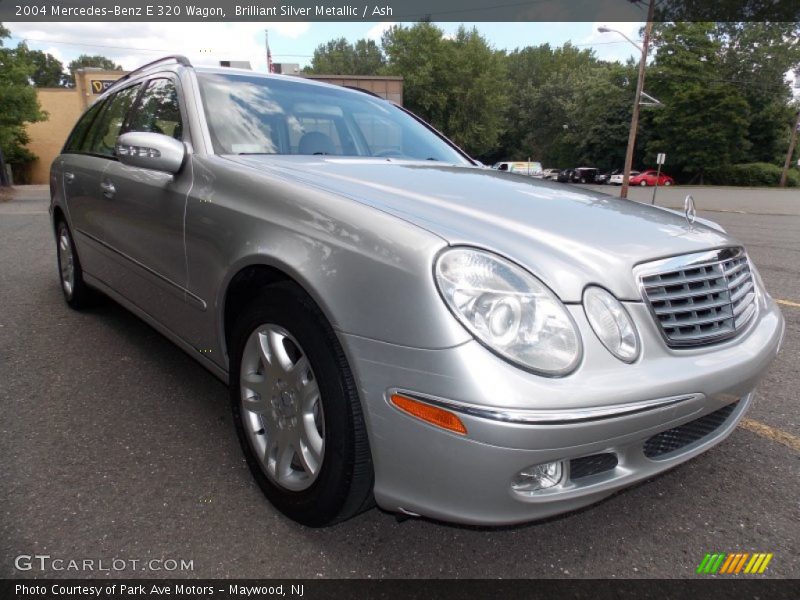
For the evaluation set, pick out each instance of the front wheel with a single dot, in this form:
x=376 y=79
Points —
x=643 y=183
x=296 y=410
x=667 y=183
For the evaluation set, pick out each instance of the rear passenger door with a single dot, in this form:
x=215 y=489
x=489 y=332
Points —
x=145 y=217
x=83 y=162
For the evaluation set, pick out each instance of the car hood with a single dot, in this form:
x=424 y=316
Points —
x=567 y=237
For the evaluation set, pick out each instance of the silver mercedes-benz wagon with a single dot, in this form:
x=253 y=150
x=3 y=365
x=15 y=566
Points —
x=397 y=325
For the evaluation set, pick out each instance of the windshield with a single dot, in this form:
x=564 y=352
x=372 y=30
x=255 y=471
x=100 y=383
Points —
x=258 y=115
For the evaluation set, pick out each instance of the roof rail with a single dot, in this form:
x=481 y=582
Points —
x=178 y=58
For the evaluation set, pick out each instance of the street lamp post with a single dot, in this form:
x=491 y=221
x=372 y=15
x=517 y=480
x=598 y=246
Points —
x=637 y=97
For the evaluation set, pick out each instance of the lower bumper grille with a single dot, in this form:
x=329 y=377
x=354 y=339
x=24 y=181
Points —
x=591 y=465
x=683 y=435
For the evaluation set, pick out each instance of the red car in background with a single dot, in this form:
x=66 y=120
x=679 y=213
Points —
x=650 y=177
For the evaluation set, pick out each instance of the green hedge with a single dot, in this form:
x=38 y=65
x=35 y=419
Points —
x=751 y=175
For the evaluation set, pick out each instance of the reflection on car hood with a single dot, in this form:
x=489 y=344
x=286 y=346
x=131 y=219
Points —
x=569 y=238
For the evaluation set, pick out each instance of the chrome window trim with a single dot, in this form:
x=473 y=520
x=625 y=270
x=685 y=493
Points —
x=546 y=416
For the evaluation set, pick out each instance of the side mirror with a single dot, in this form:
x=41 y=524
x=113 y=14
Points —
x=150 y=151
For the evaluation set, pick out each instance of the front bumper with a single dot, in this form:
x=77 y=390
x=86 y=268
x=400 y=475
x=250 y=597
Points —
x=427 y=471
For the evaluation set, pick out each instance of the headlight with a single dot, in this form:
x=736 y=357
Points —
x=611 y=323
x=509 y=310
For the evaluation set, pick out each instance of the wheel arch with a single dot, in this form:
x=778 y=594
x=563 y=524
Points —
x=245 y=280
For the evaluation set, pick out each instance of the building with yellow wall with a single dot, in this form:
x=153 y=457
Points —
x=63 y=107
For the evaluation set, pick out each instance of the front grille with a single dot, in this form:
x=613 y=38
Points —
x=708 y=299
x=683 y=435
x=591 y=465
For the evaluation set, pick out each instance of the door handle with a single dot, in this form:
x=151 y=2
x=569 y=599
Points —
x=69 y=177
x=108 y=189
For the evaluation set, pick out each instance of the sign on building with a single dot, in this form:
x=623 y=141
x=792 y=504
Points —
x=98 y=86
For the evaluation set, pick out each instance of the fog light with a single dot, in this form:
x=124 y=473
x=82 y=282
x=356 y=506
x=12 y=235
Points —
x=538 y=477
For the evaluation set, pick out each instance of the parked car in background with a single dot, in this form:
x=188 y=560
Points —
x=565 y=176
x=396 y=325
x=550 y=173
x=532 y=169
x=651 y=177
x=602 y=178
x=616 y=178
x=585 y=175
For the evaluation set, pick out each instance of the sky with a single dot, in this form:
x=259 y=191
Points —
x=133 y=44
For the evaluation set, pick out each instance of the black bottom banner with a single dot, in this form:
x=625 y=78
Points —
x=334 y=589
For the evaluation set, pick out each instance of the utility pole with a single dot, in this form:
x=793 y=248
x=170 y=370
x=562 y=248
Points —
x=790 y=153
x=637 y=98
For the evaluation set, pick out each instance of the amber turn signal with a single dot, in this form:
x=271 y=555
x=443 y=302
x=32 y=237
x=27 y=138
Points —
x=429 y=414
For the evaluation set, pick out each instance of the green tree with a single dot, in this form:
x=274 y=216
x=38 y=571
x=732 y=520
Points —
x=705 y=118
x=459 y=85
x=599 y=114
x=340 y=57
x=18 y=102
x=47 y=70
x=95 y=61
x=541 y=116
x=755 y=57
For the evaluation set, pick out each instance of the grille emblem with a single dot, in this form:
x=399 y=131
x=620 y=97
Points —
x=689 y=209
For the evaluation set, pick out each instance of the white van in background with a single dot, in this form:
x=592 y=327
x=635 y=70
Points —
x=532 y=169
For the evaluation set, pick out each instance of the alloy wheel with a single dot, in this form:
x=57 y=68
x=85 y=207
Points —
x=66 y=261
x=281 y=408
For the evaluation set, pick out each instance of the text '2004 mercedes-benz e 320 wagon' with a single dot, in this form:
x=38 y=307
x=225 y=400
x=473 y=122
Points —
x=397 y=325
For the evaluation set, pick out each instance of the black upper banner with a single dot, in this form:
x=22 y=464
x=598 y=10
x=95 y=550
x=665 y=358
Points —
x=397 y=10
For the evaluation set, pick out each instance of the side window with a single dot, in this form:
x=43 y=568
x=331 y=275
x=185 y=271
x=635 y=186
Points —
x=79 y=132
x=105 y=130
x=158 y=110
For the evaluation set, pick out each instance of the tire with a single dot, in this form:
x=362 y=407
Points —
x=290 y=387
x=667 y=182
x=643 y=183
x=77 y=293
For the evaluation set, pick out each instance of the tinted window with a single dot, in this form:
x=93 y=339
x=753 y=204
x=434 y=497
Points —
x=158 y=110
x=106 y=128
x=258 y=115
x=79 y=132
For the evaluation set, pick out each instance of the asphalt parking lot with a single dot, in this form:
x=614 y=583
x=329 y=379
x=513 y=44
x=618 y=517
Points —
x=116 y=444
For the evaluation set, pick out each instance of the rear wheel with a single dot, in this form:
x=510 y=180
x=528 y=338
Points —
x=296 y=410
x=77 y=294
x=643 y=183
x=667 y=182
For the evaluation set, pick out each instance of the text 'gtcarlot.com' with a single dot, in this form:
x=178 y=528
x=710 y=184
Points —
x=46 y=562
